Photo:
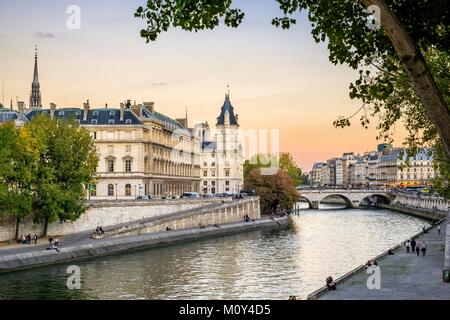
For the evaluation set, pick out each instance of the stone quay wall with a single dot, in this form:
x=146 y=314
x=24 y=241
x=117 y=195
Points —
x=210 y=215
x=106 y=213
x=425 y=201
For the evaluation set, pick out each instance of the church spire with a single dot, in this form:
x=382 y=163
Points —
x=35 y=97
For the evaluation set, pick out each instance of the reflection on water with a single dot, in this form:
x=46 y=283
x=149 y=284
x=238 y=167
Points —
x=257 y=265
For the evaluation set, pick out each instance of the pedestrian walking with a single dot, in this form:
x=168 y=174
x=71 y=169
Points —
x=439 y=229
x=418 y=248
x=424 y=248
x=408 y=246
x=413 y=245
x=35 y=239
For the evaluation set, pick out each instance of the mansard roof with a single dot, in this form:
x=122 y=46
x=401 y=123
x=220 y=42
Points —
x=11 y=115
x=105 y=116
x=169 y=123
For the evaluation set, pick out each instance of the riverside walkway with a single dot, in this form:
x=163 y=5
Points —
x=403 y=276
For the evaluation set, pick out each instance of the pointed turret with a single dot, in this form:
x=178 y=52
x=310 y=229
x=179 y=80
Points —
x=227 y=116
x=35 y=96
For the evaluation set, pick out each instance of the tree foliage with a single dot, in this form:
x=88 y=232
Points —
x=284 y=161
x=388 y=88
x=275 y=191
x=67 y=162
x=18 y=163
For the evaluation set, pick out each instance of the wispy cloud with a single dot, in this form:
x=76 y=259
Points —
x=160 y=84
x=44 y=35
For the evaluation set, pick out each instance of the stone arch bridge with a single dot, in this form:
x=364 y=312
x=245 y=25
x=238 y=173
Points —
x=352 y=198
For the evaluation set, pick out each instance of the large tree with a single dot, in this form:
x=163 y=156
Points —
x=284 y=161
x=67 y=164
x=18 y=163
x=275 y=191
x=409 y=29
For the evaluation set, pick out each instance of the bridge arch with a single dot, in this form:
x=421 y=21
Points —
x=376 y=198
x=303 y=199
x=347 y=201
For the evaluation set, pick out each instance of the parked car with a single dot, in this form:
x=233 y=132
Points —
x=190 y=195
x=144 y=197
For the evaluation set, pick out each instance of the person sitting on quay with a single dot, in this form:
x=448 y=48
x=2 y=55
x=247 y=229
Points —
x=424 y=229
x=50 y=240
x=216 y=226
x=168 y=228
x=331 y=285
x=102 y=232
x=202 y=226
x=56 y=242
x=390 y=252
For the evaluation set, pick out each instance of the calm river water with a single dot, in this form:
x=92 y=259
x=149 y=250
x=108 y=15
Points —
x=257 y=265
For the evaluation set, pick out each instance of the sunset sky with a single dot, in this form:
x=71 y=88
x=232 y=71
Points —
x=278 y=79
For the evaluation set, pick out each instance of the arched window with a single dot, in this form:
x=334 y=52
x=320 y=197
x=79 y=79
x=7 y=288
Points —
x=110 y=190
x=128 y=190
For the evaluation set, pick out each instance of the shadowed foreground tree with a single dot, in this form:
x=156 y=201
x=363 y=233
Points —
x=273 y=190
x=409 y=30
x=67 y=164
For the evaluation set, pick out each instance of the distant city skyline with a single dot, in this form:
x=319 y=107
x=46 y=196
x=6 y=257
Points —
x=279 y=79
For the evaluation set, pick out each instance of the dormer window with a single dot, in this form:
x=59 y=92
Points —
x=94 y=121
x=112 y=113
x=111 y=121
x=128 y=121
x=95 y=113
x=78 y=113
x=61 y=113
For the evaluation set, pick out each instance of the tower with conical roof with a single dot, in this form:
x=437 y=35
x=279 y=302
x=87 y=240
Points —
x=228 y=160
x=35 y=96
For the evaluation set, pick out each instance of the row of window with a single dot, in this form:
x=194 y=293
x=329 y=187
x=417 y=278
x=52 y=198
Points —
x=110 y=165
x=213 y=173
x=213 y=183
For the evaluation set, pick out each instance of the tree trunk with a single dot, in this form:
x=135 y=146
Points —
x=44 y=233
x=17 y=228
x=416 y=68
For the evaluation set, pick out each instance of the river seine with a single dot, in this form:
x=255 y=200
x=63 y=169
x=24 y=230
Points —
x=256 y=265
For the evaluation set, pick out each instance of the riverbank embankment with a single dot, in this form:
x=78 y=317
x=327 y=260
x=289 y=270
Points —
x=403 y=275
x=88 y=247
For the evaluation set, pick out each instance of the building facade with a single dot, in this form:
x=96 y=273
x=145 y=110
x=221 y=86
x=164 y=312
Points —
x=141 y=151
x=387 y=167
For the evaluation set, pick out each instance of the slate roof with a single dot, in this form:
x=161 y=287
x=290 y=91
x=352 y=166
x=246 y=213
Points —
x=109 y=116
x=209 y=145
x=10 y=115
x=169 y=123
x=227 y=107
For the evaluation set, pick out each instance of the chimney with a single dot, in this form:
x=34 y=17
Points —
x=52 y=109
x=21 y=106
x=150 y=106
x=86 y=108
x=122 y=112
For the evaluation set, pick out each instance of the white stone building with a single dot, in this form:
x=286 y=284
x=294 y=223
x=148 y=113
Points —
x=222 y=154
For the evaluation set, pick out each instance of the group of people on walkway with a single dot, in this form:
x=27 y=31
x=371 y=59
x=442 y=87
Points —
x=53 y=244
x=27 y=239
x=413 y=246
x=99 y=230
